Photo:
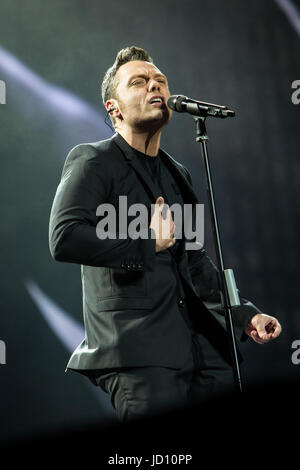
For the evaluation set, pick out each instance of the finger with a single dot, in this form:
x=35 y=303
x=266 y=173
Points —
x=160 y=205
x=256 y=338
x=168 y=217
x=274 y=328
x=276 y=332
x=258 y=341
x=261 y=331
x=267 y=337
x=172 y=242
x=160 y=228
x=169 y=227
x=172 y=229
x=270 y=327
x=165 y=212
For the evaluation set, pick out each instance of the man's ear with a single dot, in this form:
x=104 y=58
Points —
x=110 y=105
x=113 y=107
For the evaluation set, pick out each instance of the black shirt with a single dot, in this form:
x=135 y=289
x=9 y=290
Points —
x=152 y=164
x=163 y=178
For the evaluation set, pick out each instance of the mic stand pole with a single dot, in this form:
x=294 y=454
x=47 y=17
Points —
x=229 y=292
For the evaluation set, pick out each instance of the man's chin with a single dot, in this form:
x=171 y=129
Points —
x=156 y=120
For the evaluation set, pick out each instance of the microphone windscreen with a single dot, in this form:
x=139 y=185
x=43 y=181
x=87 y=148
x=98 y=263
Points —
x=171 y=102
x=175 y=102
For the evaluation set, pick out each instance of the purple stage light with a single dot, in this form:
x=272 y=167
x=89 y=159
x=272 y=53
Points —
x=291 y=12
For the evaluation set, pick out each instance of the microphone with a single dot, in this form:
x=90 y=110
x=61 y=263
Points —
x=183 y=104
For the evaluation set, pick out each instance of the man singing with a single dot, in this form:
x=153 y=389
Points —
x=155 y=327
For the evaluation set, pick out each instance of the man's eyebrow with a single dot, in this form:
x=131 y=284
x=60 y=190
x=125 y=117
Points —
x=161 y=75
x=142 y=75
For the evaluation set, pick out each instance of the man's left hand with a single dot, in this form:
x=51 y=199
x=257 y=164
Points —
x=263 y=328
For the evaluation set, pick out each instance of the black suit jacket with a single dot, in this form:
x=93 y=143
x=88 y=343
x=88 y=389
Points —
x=132 y=297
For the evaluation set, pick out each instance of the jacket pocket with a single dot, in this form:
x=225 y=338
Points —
x=128 y=283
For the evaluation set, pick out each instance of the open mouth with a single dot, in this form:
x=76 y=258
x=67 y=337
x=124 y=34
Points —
x=156 y=101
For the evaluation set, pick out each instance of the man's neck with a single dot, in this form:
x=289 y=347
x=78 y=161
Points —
x=145 y=142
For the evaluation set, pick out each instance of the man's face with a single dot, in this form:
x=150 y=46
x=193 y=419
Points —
x=142 y=94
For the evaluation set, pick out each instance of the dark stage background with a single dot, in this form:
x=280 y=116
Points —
x=53 y=55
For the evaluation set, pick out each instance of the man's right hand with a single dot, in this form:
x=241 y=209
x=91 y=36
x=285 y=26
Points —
x=164 y=228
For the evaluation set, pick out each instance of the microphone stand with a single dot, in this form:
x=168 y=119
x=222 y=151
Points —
x=229 y=292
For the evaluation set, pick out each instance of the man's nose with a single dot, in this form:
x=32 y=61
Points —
x=154 y=85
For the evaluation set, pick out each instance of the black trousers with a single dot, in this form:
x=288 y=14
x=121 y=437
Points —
x=138 y=392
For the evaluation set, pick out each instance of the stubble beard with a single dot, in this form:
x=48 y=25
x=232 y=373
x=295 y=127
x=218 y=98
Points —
x=152 y=123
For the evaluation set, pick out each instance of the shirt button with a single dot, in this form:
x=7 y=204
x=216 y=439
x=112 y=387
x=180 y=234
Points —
x=181 y=303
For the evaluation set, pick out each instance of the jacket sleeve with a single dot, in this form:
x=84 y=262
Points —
x=86 y=182
x=204 y=276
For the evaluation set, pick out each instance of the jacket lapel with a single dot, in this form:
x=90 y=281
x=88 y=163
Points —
x=178 y=172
